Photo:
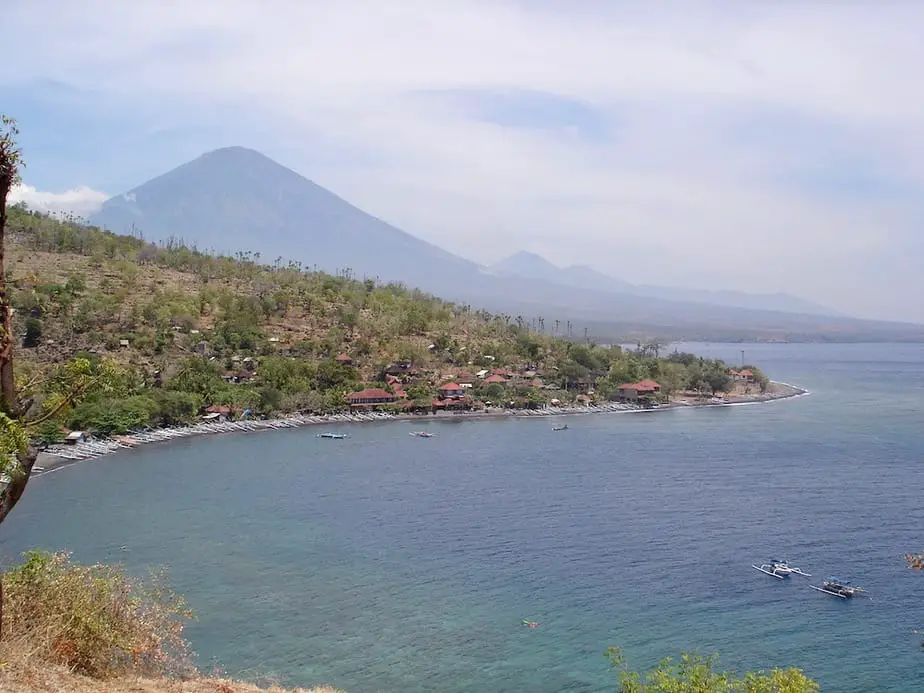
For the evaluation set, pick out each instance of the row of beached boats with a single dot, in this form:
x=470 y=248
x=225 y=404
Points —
x=87 y=449
x=831 y=585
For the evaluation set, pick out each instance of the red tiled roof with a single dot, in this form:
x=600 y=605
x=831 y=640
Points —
x=343 y=357
x=648 y=383
x=746 y=372
x=370 y=393
x=494 y=379
x=450 y=386
x=218 y=409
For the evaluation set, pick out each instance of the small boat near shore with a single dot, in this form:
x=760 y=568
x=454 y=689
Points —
x=422 y=434
x=838 y=588
x=779 y=569
x=561 y=428
x=332 y=436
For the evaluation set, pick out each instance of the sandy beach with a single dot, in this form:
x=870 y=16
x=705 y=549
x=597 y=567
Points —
x=60 y=456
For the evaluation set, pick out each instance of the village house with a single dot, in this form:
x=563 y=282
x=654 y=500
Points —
x=491 y=379
x=217 y=412
x=398 y=389
x=403 y=370
x=370 y=397
x=466 y=379
x=453 y=403
x=634 y=391
x=75 y=437
x=451 y=391
x=742 y=376
x=344 y=360
x=241 y=376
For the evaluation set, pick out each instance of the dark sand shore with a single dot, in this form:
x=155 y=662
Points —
x=49 y=461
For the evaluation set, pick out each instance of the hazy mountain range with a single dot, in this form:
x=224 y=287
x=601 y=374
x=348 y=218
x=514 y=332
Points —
x=236 y=199
x=532 y=266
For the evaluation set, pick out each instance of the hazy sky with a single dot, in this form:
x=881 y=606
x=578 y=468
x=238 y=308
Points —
x=763 y=146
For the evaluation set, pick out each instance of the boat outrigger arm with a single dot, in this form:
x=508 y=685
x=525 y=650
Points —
x=768 y=569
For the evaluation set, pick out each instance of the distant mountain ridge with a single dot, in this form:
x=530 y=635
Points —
x=236 y=199
x=533 y=266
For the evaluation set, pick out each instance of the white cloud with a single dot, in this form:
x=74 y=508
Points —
x=81 y=201
x=729 y=123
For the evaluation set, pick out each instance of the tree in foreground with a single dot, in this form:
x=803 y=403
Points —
x=21 y=414
x=696 y=674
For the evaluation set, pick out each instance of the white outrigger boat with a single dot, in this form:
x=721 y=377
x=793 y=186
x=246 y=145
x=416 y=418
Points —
x=422 y=434
x=779 y=569
x=837 y=588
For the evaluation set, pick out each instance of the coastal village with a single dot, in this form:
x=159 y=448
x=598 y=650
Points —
x=187 y=342
x=409 y=389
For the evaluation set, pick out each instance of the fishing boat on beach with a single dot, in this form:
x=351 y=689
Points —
x=837 y=588
x=422 y=434
x=779 y=569
x=333 y=436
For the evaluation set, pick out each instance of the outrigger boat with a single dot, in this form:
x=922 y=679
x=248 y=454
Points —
x=422 y=434
x=837 y=588
x=779 y=569
x=561 y=428
x=334 y=436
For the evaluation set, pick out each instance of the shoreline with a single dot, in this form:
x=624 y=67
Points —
x=61 y=456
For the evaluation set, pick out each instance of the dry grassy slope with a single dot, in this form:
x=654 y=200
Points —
x=54 y=679
x=137 y=284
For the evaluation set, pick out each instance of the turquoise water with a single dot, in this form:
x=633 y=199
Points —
x=390 y=563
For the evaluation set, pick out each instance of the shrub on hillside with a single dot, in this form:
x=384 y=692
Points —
x=95 y=620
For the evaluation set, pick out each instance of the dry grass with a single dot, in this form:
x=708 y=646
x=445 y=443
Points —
x=15 y=678
x=93 y=629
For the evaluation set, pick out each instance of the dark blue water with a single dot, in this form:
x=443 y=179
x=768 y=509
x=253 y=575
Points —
x=391 y=563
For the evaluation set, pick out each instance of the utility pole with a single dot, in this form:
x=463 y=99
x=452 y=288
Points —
x=742 y=358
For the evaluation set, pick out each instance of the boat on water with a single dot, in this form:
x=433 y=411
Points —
x=422 y=434
x=561 y=428
x=334 y=436
x=779 y=569
x=838 y=588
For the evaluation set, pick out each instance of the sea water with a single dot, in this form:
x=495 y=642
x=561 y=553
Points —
x=386 y=562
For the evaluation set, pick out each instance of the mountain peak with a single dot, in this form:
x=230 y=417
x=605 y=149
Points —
x=525 y=263
x=235 y=153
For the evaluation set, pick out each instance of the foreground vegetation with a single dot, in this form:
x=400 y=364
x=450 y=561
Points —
x=697 y=674
x=92 y=628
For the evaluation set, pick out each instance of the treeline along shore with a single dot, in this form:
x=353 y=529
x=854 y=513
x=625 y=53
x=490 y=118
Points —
x=163 y=341
x=83 y=448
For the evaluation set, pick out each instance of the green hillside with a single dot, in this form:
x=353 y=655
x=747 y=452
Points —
x=183 y=330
